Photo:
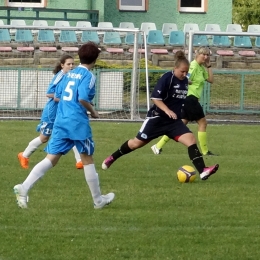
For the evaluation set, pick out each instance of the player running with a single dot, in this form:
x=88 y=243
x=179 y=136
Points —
x=72 y=128
x=45 y=127
x=164 y=118
x=200 y=71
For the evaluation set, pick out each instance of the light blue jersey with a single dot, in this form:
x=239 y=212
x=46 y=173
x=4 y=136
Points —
x=49 y=112
x=72 y=121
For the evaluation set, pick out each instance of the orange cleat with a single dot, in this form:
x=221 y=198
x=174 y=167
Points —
x=24 y=162
x=79 y=165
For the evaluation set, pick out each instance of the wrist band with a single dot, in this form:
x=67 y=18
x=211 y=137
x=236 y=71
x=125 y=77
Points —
x=209 y=66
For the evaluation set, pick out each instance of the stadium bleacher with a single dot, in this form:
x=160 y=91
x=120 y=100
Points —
x=160 y=42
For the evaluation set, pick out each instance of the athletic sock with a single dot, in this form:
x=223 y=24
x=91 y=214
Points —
x=32 y=146
x=202 y=137
x=196 y=157
x=92 y=180
x=162 y=142
x=124 y=149
x=76 y=154
x=37 y=172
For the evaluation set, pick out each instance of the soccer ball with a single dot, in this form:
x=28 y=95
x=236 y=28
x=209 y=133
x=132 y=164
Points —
x=186 y=173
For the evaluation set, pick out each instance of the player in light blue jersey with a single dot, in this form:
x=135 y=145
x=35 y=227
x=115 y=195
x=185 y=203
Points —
x=45 y=127
x=71 y=127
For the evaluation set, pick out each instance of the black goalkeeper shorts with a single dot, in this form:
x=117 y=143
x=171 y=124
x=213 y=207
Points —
x=192 y=109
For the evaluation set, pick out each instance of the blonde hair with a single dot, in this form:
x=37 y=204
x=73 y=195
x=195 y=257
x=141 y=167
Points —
x=203 y=50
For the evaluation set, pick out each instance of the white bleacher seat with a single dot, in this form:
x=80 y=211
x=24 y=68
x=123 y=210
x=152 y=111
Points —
x=39 y=23
x=234 y=28
x=146 y=27
x=104 y=25
x=127 y=25
x=190 y=27
x=254 y=28
x=84 y=24
x=16 y=23
x=167 y=28
x=212 y=27
x=61 y=24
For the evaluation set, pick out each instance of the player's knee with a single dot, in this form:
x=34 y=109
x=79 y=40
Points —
x=44 y=139
x=135 y=143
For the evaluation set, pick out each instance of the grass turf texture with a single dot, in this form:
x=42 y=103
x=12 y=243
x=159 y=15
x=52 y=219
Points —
x=153 y=216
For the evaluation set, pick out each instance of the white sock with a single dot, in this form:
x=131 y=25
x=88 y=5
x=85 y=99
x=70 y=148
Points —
x=76 y=153
x=92 y=179
x=37 y=172
x=32 y=146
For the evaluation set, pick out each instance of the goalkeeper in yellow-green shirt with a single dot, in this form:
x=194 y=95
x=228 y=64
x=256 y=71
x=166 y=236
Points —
x=199 y=72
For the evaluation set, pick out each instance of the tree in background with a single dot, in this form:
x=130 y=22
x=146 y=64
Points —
x=246 y=12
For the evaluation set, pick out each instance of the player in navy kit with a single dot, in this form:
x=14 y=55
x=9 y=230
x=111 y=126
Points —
x=71 y=127
x=164 y=118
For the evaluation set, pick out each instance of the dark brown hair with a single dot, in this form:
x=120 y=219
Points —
x=179 y=58
x=61 y=61
x=88 y=53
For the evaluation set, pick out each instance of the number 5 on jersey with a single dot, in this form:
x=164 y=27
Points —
x=69 y=91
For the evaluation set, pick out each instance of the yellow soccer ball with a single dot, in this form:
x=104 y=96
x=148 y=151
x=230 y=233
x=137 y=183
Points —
x=186 y=173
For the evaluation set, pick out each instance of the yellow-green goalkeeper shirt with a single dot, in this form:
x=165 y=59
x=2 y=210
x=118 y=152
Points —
x=198 y=75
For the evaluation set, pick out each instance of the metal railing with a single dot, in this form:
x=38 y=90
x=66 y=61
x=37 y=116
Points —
x=36 y=14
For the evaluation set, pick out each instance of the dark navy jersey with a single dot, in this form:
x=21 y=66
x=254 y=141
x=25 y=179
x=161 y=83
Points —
x=172 y=92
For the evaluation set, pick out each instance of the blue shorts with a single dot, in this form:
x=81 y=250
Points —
x=45 y=128
x=63 y=146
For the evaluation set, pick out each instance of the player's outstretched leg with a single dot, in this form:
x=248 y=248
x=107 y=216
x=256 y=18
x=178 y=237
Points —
x=198 y=162
x=21 y=190
x=124 y=149
x=208 y=171
x=108 y=162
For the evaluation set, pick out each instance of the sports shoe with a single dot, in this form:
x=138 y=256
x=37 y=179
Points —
x=106 y=199
x=107 y=162
x=24 y=162
x=209 y=153
x=156 y=150
x=79 y=165
x=21 y=196
x=208 y=171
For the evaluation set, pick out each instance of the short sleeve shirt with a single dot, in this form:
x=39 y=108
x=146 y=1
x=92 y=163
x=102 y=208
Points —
x=49 y=111
x=172 y=91
x=198 y=76
x=72 y=121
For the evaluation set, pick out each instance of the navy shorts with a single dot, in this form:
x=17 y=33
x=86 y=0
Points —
x=192 y=109
x=154 y=127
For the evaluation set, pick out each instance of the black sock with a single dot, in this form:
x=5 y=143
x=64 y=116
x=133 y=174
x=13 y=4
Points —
x=196 y=158
x=124 y=149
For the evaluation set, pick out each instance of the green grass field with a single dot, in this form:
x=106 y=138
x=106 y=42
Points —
x=153 y=216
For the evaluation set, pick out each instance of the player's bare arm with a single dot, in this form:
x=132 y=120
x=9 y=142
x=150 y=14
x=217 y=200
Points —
x=162 y=106
x=89 y=107
x=207 y=64
x=50 y=95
